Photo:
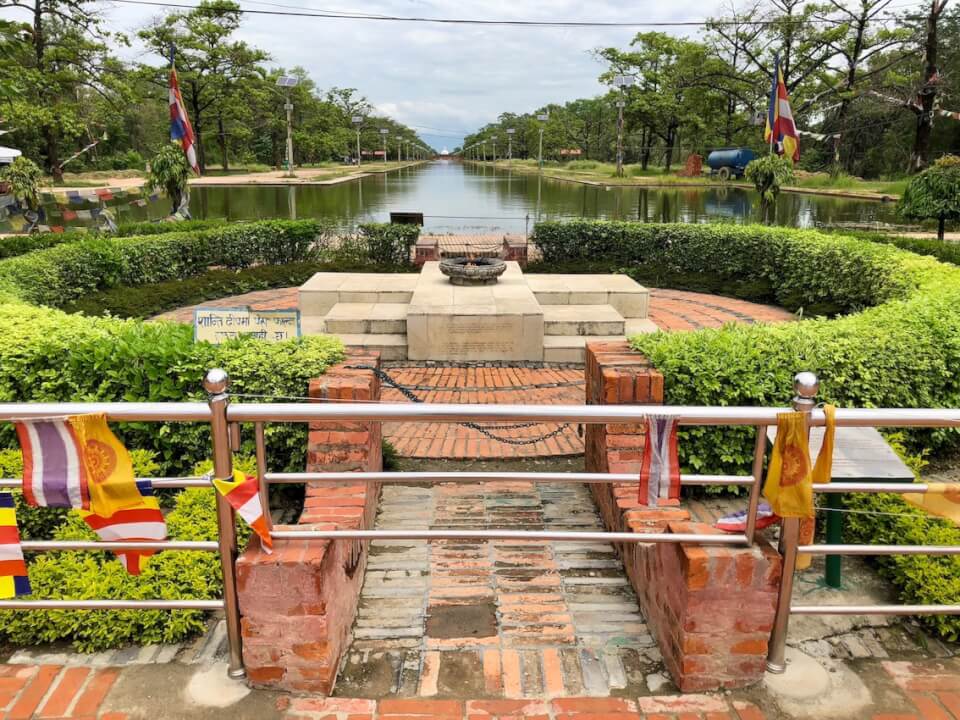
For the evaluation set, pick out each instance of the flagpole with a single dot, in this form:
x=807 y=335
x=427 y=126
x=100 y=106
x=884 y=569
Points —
x=774 y=98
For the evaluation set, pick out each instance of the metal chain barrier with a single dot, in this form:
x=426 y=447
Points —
x=482 y=429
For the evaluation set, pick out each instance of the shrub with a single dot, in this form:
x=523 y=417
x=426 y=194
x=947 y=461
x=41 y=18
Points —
x=768 y=174
x=168 y=575
x=169 y=171
x=803 y=269
x=62 y=273
x=389 y=244
x=934 y=194
x=922 y=579
x=23 y=176
x=947 y=252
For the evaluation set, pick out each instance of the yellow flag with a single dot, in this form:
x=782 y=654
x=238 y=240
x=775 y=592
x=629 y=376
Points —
x=789 y=485
x=942 y=499
x=108 y=464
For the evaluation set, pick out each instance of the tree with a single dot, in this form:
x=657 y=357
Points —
x=926 y=98
x=211 y=67
x=23 y=178
x=768 y=174
x=63 y=63
x=169 y=171
x=934 y=194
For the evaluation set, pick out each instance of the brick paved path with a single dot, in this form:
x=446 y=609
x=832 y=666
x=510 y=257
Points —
x=496 y=619
x=669 y=309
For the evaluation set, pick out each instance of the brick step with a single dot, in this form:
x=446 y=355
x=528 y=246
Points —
x=390 y=346
x=367 y=319
x=582 y=320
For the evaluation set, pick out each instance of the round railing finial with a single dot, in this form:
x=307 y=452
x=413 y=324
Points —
x=216 y=381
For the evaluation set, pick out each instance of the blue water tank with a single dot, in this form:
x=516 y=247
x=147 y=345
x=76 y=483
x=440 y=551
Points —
x=735 y=159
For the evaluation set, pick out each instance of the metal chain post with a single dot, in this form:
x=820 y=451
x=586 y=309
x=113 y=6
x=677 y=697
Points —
x=216 y=383
x=805 y=385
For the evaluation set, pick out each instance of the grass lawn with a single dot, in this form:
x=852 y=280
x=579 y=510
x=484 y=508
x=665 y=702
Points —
x=605 y=173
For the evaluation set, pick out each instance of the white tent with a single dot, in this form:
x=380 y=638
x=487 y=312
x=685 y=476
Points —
x=8 y=155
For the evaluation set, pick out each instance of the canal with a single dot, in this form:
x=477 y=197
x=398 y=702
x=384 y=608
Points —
x=457 y=198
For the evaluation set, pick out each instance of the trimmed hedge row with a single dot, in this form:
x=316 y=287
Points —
x=57 y=275
x=948 y=252
x=13 y=245
x=802 y=269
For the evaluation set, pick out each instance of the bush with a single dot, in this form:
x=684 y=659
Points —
x=922 y=579
x=803 y=269
x=62 y=273
x=934 y=194
x=389 y=244
x=948 y=252
x=168 y=575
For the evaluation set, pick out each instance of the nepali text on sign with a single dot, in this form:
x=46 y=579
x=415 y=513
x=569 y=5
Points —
x=217 y=325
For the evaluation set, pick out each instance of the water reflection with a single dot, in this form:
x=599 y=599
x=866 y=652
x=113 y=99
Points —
x=459 y=198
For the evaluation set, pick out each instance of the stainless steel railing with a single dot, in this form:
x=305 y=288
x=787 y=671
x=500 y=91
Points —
x=225 y=420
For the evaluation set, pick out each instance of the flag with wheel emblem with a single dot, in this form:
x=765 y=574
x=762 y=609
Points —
x=13 y=570
x=243 y=494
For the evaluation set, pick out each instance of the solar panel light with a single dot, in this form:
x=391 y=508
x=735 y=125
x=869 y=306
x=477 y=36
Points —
x=357 y=119
x=544 y=117
x=287 y=81
x=384 y=131
x=622 y=81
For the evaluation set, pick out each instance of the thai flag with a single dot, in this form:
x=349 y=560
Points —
x=54 y=473
x=180 y=128
x=13 y=570
x=660 y=468
x=143 y=522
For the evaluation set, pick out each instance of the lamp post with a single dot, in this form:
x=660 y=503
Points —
x=494 y=139
x=357 y=120
x=621 y=81
x=286 y=82
x=542 y=118
x=383 y=134
x=483 y=149
x=510 y=132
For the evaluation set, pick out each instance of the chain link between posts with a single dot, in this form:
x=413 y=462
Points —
x=482 y=429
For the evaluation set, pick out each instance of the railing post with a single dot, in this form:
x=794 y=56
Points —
x=805 y=385
x=216 y=382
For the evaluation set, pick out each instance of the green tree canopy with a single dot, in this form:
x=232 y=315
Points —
x=934 y=194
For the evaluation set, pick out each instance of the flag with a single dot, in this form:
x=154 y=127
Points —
x=54 y=474
x=660 y=469
x=942 y=499
x=13 y=570
x=790 y=478
x=180 y=128
x=781 y=131
x=142 y=522
x=243 y=494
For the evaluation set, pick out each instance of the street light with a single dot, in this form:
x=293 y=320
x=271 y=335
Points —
x=383 y=133
x=286 y=82
x=483 y=149
x=510 y=132
x=357 y=120
x=542 y=118
x=494 y=138
x=621 y=81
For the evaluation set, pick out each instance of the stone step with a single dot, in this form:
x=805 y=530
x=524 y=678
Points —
x=390 y=347
x=571 y=348
x=367 y=319
x=582 y=320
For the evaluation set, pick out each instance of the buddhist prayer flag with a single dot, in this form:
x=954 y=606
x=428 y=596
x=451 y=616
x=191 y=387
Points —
x=180 y=128
x=790 y=479
x=54 y=474
x=13 y=570
x=243 y=494
x=781 y=131
x=144 y=521
x=660 y=469
x=941 y=499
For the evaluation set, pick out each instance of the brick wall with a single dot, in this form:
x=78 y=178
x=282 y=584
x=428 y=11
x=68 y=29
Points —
x=298 y=604
x=710 y=608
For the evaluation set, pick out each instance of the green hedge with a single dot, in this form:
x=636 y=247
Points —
x=803 y=269
x=388 y=244
x=13 y=245
x=945 y=251
x=60 y=274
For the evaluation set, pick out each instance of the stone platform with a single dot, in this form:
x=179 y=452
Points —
x=538 y=318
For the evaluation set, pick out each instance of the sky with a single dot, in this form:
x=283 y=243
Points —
x=443 y=80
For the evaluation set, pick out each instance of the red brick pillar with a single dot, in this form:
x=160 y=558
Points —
x=298 y=604
x=427 y=249
x=710 y=607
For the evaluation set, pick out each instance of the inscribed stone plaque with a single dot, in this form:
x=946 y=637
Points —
x=217 y=325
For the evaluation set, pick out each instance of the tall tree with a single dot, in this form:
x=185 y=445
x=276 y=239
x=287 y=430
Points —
x=211 y=66
x=927 y=97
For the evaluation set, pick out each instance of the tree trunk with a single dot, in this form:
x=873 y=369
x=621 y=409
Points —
x=940 y=227
x=222 y=137
x=920 y=155
x=671 y=137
